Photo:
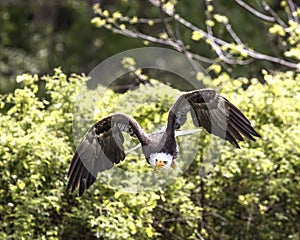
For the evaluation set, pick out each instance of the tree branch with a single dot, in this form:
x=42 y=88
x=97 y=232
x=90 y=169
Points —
x=268 y=9
x=293 y=10
x=233 y=53
x=216 y=43
x=254 y=11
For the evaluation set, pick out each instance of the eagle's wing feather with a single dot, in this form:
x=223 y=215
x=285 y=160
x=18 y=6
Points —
x=101 y=148
x=214 y=113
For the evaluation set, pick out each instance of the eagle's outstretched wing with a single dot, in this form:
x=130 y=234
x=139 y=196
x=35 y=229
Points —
x=214 y=113
x=101 y=147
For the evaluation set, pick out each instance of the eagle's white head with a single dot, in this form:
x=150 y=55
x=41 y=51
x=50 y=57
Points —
x=161 y=161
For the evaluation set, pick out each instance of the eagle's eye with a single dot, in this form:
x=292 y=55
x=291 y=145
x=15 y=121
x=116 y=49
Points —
x=165 y=161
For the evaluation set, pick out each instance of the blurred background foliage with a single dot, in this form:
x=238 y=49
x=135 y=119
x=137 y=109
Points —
x=38 y=36
x=248 y=193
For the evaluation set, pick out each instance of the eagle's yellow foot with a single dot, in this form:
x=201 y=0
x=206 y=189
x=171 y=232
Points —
x=173 y=164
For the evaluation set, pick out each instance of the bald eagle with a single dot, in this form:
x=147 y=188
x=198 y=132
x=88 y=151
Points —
x=102 y=146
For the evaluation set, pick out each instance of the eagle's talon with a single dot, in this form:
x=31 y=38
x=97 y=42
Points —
x=173 y=165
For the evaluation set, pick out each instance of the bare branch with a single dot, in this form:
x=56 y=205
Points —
x=233 y=34
x=196 y=232
x=254 y=11
x=268 y=9
x=293 y=10
x=208 y=16
x=147 y=20
x=216 y=43
x=237 y=53
x=200 y=58
x=179 y=41
x=261 y=56
x=188 y=24
x=139 y=35
x=169 y=231
x=168 y=30
x=175 y=45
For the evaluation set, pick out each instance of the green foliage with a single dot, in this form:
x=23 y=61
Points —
x=247 y=193
x=260 y=181
x=35 y=149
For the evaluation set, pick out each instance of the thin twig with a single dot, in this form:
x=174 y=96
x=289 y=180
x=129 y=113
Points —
x=178 y=40
x=154 y=21
x=209 y=30
x=197 y=233
x=143 y=36
x=268 y=9
x=217 y=42
x=254 y=11
x=167 y=28
x=167 y=42
x=293 y=10
x=208 y=17
x=233 y=34
x=169 y=231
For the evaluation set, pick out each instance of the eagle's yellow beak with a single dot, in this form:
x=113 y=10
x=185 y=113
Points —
x=159 y=164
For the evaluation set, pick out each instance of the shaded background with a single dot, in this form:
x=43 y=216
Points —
x=37 y=36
